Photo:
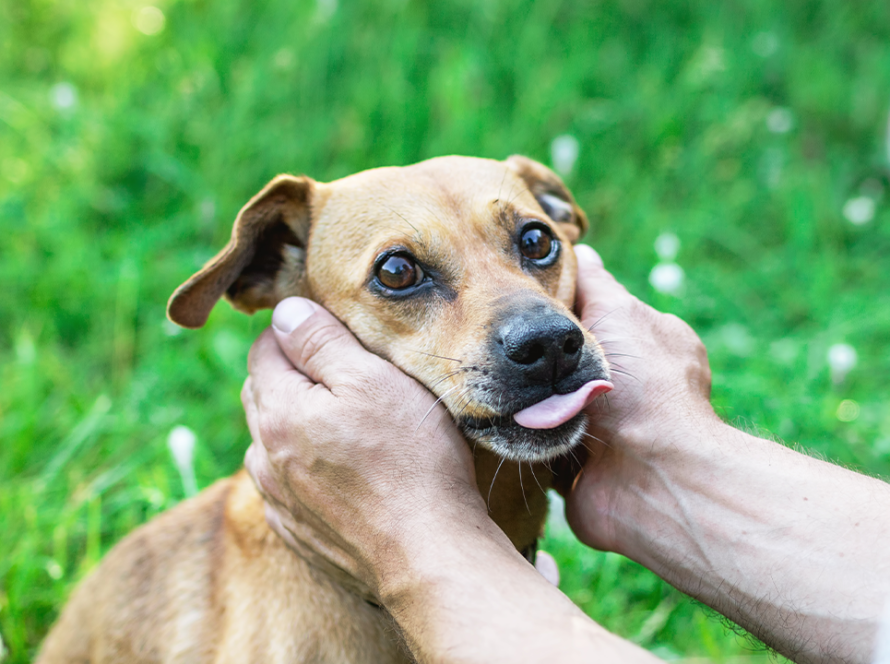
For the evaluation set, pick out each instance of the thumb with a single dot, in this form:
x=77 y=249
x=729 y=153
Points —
x=318 y=344
x=598 y=291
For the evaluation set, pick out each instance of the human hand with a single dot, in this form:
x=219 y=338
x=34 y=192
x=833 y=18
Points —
x=342 y=453
x=358 y=487
x=662 y=388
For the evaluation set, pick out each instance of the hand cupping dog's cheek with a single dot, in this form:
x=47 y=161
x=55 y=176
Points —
x=328 y=485
x=662 y=381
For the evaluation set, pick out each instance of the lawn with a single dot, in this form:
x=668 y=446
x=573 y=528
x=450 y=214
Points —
x=738 y=149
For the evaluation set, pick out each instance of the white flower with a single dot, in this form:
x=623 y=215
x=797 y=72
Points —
x=738 y=339
x=564 y=153
x=63 y=96
x=170 y=328
x=667 y=245
x=149 y=20
x=208 y=210
x=848 y=410
x=283 y=59
x=842 y=359
x=859 y=210
x=325 y=9
x=54 y=569
x=765 y=44
x=780 y=121
x=784 y=350
x=181 y=442
x=667 y=278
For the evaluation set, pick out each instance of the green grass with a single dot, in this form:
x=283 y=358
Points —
x=108 y=204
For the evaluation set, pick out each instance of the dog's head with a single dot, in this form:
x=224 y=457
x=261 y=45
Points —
x=458 y=270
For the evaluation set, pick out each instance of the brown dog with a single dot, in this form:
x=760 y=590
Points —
x=460 y=258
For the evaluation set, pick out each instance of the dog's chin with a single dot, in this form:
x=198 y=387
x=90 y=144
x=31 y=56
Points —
x=505 y=437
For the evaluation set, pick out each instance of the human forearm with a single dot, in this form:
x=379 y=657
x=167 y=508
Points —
x=792 y=548
x=482 y=602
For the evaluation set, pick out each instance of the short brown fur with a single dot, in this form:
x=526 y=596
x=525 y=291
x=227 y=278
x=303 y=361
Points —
x=209 y=581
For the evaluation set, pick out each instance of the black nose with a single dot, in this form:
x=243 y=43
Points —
x=545 y=348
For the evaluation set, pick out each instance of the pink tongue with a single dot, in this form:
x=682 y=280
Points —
x=560 y=408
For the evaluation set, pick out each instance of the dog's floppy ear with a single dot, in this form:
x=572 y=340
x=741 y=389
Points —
x=263 y=262
x=551 y=194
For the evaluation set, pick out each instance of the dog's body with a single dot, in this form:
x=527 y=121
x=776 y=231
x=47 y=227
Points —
x=453 y=260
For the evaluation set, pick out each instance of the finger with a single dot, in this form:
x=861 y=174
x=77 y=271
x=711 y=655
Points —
x=587 y=254
x=318 y=344
x=251 y=412
x=256 y=463
x=274 y=521
x=267 y=362
x=597 y=288
x=547 y=567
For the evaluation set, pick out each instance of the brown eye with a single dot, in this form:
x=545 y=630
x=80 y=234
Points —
x=399 y=272
x=536 y=243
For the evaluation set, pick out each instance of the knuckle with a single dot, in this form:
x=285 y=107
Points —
x=320 y=339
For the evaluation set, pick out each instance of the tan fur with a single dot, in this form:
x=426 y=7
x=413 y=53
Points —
x=208 y=581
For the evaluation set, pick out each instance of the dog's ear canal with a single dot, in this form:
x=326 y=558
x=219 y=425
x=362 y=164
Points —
x=551 y=194
x=263 y=263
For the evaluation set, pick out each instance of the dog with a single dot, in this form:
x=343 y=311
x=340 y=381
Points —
x=458 y=270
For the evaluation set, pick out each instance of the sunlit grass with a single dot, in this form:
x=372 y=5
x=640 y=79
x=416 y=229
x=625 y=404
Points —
x=129 y=138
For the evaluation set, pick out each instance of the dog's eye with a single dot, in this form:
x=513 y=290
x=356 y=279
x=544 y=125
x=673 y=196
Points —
x=536 y=243
x=399 y=271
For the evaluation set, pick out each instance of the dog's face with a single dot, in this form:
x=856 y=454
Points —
x=458 y=270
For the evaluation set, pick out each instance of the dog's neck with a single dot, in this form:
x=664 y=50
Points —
x=516 y=496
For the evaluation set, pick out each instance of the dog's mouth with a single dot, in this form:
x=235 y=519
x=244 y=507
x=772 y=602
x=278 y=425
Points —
x=539 y=432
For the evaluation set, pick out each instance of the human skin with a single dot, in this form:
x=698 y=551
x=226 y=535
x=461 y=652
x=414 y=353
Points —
x=792 y=548
x=425 y=546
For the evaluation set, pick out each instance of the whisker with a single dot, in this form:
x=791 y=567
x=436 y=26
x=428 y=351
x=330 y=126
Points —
x=575 y=457
x=435 y=403
x=493 y=479
x=501 y=186
x=624 y=373
x=518 y=189
x=601 y=319
x=522 y=488
x=463 y=408
x=532 y=468
x=441 y=357
x=402 y=217
x=599 y=440
x=636 y=357
x=445 y=377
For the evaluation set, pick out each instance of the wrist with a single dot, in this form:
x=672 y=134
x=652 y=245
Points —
x=429 y=545
x=659 y=469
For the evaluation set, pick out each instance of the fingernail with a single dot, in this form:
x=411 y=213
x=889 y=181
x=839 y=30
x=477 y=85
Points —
x=588 y=254
x=291 y=313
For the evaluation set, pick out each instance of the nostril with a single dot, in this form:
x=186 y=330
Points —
x=530 y=353
x=571 y=346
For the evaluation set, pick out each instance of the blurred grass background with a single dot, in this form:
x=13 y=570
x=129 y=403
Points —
x=130 y=134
